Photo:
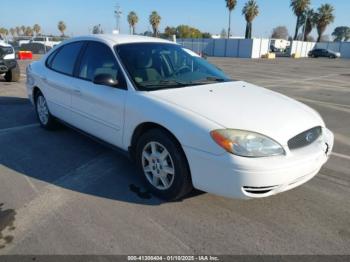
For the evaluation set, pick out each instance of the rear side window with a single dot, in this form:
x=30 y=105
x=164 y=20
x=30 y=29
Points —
x=99 y=59
x=65 y=58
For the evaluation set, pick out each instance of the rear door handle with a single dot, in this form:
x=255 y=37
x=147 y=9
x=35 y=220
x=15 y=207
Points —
x=43 y=78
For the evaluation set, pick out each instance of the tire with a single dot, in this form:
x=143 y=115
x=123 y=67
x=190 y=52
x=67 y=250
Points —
x=46 y=120
x=163 y=165
x=13 y=75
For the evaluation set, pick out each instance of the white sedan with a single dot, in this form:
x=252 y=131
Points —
x=184 y=122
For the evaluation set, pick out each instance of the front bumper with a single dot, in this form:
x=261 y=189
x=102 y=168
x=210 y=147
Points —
x=245 y=178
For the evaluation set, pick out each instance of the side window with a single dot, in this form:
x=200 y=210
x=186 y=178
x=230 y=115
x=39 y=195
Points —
x=64 y=60
x=50 y=59
x=99 y=59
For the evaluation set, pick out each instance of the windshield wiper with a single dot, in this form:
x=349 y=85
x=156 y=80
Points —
x=209 y=79
x=170 y=83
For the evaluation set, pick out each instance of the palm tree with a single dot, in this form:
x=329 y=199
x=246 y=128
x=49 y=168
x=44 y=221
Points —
x=230 y=4
x=250 y=11
x=36 y=29
x=28 y=31
x=62 y=27
x=324 y=17
x=18 y=30
x=12 y=31
x=154 y=20
x=299 y=7
x=133 y=20
x=309 y=24
x=3 y=32
x=23 y=29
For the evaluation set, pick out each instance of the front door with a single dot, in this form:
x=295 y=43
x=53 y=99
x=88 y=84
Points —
x=99 y=109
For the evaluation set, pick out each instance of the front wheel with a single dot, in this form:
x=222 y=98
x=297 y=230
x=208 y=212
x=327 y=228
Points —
x=163 y=165
x=44 y=116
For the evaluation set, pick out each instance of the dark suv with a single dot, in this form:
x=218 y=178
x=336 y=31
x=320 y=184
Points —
x=323 y=53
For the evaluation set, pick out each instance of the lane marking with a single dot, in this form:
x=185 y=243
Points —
x=341 y=156
x=17 y=128
x=326 y=104
x=322 y=102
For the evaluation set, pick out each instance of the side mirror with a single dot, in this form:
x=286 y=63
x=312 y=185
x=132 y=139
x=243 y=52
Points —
x=105 y=80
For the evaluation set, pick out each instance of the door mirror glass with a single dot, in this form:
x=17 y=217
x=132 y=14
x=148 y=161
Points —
x=106 y=80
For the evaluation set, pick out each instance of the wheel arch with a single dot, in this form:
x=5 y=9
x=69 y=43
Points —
x=147 y=126
x=35 y=92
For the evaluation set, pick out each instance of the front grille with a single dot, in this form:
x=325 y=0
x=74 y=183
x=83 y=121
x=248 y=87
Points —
x=306 y=138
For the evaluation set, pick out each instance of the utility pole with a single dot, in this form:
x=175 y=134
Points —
x=117 y=13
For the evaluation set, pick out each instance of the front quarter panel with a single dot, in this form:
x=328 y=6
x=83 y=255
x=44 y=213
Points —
x=189 y=128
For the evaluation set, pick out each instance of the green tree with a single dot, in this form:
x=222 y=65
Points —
x=154 y=20
x=62 y=27
x=133 y=19
x=299 y=7
x=323 y=18
x=230 y=4
x=185 y=31
x=341 y=33
x=3 y=32
x=206 y=35
x=36 y=29
x=250 y=11
x=169 y=31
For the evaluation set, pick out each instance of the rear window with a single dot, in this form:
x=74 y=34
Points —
x=64 y=59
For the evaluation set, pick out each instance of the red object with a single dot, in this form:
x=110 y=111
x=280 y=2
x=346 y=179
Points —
x=24 y=55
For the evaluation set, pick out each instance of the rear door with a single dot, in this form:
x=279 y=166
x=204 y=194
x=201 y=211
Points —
x=99 y=109
x=58 y=78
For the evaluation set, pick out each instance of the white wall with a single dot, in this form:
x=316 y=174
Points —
x=303 y=48
x=244 y=48
x=255 y=48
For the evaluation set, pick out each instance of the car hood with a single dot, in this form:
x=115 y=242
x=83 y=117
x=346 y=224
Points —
x=240 y=105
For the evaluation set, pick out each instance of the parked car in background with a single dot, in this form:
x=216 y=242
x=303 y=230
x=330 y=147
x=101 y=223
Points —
x=184 y=122
x=324 y=53
x=46 y=41
x=8 y=63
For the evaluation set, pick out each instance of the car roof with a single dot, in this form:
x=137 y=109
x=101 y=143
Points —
x=118 y=39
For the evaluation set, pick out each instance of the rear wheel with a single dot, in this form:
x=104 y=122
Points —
x=13 y=75
x=44 y=116
x=163 y=165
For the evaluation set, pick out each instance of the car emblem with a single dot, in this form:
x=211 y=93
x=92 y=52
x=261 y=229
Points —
x=309 y=137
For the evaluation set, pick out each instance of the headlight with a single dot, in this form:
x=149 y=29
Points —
x=246 y=143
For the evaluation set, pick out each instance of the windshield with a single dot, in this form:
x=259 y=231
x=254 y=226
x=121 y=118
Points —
x=154 y=66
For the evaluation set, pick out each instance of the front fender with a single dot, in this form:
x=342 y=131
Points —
x=190 y=129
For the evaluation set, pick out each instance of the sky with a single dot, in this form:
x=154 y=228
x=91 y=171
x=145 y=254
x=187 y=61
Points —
x=206 y=15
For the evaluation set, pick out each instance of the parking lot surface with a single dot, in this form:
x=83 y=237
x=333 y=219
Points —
x=63 y=193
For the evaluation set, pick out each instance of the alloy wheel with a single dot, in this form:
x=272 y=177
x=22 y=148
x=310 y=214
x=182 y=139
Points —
x=158 y=165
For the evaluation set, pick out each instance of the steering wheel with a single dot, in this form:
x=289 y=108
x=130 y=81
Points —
x=183 y=69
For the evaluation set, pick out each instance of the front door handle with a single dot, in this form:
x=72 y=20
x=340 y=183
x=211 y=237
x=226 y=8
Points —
x=77 y=92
